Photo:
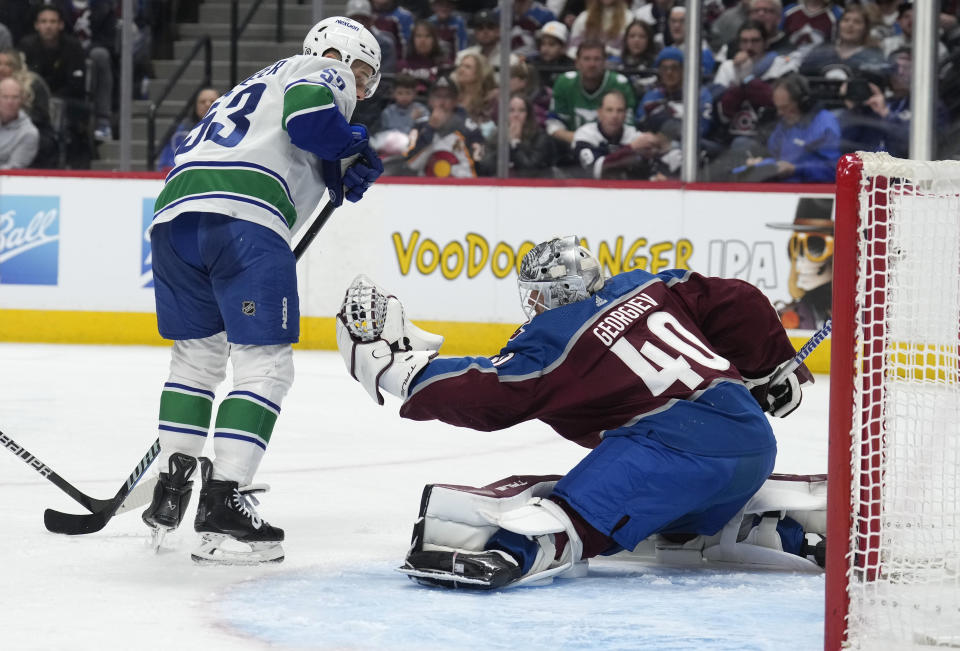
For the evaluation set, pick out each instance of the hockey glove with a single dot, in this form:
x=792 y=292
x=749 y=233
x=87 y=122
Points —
x=784 y=396
x=362 y=174
x=358 y=142
x=352 y=176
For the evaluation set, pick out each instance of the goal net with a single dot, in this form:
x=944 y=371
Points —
x=893 y=539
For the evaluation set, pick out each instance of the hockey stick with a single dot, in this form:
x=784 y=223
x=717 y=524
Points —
x=128 y=497
x=84 y=500
x=803 y=353
x=72 y=524
x=313 y=229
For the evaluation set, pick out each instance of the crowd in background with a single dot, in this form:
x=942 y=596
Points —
x=595 y=86
x=59 y=62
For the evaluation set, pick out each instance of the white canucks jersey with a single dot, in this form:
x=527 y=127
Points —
x=240 y=159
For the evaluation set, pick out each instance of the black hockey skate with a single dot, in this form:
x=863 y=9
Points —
x=226 y=513
x=170 y=498
x=486 y=570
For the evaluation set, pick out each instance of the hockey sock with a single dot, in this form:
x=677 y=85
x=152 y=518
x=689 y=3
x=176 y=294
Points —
x=184 y=420
x=244 y=425
x=521 y=547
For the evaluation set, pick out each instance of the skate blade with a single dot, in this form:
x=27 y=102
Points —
x=211 y=551
x=157 y=535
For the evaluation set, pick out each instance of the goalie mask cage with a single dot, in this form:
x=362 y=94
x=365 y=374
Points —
x=893 y=537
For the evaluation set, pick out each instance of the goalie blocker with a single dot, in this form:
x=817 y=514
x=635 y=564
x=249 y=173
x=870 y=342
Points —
x=781 y=527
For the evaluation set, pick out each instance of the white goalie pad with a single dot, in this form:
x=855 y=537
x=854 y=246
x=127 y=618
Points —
x=800 y=497
x=463 y=518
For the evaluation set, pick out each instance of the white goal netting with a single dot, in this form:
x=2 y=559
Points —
x=904 y=550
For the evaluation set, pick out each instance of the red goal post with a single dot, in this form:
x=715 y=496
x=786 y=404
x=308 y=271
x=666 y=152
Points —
x=893 y=531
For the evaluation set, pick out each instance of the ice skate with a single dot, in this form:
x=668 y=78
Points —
x=171 y=495
x=231 y=531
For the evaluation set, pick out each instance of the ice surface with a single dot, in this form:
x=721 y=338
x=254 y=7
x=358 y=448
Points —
x=346 y=478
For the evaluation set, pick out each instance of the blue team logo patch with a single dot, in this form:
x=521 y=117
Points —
x=146 y=257
x=29 y=240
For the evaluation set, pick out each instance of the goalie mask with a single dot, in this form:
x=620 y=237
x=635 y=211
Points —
x=352 y=40
x=555 y=273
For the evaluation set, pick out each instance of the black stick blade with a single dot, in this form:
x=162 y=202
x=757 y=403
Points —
x=72 y=524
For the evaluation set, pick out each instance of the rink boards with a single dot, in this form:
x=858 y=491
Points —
x=75 y=261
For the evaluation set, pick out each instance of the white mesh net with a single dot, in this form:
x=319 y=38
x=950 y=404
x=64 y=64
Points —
x=904 y=548
x=364 y=309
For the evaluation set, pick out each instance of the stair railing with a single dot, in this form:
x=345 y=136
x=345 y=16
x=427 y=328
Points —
x=203 y=43
x=237 y=28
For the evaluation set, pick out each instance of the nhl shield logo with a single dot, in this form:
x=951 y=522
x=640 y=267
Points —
x=249 y=308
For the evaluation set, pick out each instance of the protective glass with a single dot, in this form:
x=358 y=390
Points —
x=817 y=247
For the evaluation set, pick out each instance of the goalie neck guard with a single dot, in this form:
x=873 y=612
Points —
x=555 y=273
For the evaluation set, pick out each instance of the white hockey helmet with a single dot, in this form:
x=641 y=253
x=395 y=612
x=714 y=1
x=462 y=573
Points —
x=351 y=39
x=557 y=273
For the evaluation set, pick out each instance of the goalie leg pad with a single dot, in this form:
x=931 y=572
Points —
x=458 y=521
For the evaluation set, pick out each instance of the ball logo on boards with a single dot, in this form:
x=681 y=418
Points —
x=146 y=256
x=29 y=239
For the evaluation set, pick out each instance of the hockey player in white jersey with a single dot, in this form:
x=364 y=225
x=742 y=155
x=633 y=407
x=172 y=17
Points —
x=244 y=180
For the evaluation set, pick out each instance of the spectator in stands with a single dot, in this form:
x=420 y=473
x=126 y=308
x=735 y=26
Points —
x=36 y=103
x=603 y=21
x=399 y=118
x=59 y=59
x=551 y=59
x=451 y=27
x=94 y=24
x=486 y=32
x=639 y=48
x=661 y=108
x=768 y=13
x=678 y=32
x=656 y=14
x=362 y=12
x=903 y=36
x=724 y=28
x=809 y=23
x=753 y=60
x=18 y=136
x=609 y=148
x=577 y=95
x=6 y=38
x=477 y=91
x=853 y=51
x=804 y=145
x=877 y=118
x=529 y=17
x=427 y=57
x=445 y=144
x=531 y=151
x=523 y=82
x=204 y=100
x=745 y=108
x=888 y=14
x=394 y=21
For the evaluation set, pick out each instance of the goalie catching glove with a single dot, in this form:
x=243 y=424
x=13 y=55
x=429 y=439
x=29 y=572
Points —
x=380 y=348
